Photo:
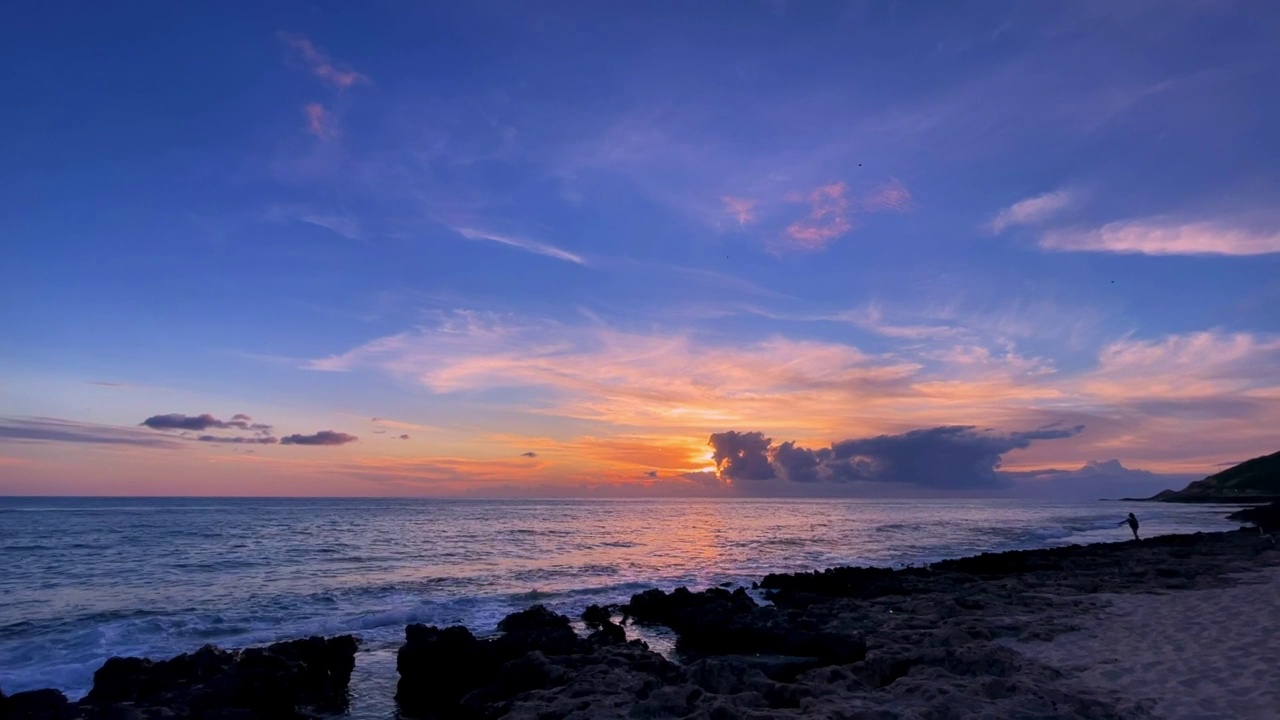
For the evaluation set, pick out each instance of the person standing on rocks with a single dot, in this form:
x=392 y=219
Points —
x=1133 y=525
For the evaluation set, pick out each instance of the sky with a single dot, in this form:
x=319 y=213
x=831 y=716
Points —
x=866 y=248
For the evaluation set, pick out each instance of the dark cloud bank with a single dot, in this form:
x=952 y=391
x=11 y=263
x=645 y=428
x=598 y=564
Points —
x=176 y=421
x=240 y=421
x=954 y=457
x=324 y=437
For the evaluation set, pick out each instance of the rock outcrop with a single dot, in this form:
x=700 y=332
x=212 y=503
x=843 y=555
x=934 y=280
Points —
x=717 y=622
x=295 y=679
x=36 y=705
x=1265 y=517
x=450 y=673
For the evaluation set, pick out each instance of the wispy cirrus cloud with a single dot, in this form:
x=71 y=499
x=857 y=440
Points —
x=338 y=221
x=40 y=429
x=891 y=196
x=1201 y=366
x=827 y=220
x=532 y=246
x=872 y=318
x=742 y=210
x=320 y=122
x=401 y=424
x=678 y=385
x=1163 y=236
x=344 y=225
x=675 y=382
x=832 y=209
x=320 y=63
x=1033 y=210
x=600 y=373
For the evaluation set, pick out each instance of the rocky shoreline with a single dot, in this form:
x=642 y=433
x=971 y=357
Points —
x=919 y=642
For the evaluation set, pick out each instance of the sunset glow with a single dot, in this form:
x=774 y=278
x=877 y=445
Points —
x=442 y=250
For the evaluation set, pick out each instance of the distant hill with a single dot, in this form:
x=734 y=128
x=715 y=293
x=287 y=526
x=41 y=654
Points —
x=1256 y=480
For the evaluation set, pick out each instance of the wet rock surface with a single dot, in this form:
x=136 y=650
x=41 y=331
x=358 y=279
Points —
x=846 y=643
x=296 y=679
x=1265 y=517
x=450 y=673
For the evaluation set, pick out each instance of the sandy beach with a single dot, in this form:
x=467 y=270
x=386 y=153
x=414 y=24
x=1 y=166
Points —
x=1185 y=654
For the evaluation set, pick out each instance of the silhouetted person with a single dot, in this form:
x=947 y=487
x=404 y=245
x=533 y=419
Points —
x=1133 y=525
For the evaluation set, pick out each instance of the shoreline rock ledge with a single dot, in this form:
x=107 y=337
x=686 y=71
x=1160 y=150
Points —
x=910 y=644
x=296 y=679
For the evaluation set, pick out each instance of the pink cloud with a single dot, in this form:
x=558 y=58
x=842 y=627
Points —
x=741 y=209
x=892 y=195
x=320 y=122
x=1160 y=236
x=320 y=63
x=1032 y=210
x=828 y=217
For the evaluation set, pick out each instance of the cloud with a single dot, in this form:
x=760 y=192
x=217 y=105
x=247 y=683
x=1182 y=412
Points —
x=831 y=211
x=320 y=122
x=1156 y=236
x=324 y=437
x=827 y=220
x=401 y=424
x=319 y=63
x=529 y=454
x=404 y=437
x=1211 y=366
x=651 y=474
x=741 y=456
x=236 y=440
x=949 y=457
x=741 y=209
x=532 y=246
x=344 y=225
x=339 y=222
x=1096 y=479
x=871 y=318
x=205 y=421
x=55 y=430
x=1032 y=210
x=1215 y=393
x=641 y=379
x=892 y=195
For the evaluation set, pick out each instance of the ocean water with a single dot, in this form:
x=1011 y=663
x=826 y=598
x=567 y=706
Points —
x=83 y=579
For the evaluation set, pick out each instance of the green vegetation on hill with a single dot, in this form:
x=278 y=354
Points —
x=1253 y=480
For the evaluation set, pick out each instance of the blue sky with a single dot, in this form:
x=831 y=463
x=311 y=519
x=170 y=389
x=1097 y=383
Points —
x=599 y=234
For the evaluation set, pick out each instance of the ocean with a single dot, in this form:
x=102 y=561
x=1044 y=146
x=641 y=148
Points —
x=82 y=579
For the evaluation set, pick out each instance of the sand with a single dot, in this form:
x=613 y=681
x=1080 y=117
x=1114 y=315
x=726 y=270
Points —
x=1188 y=653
